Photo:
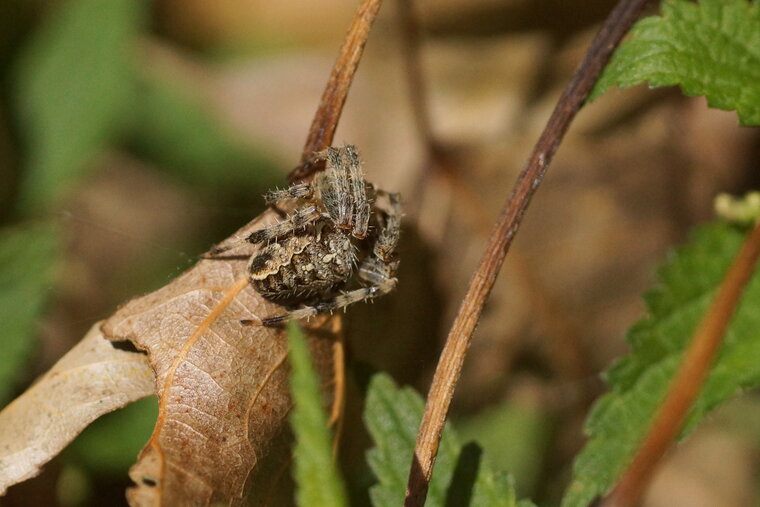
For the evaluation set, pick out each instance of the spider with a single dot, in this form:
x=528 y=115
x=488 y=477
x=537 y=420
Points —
x=336 y=231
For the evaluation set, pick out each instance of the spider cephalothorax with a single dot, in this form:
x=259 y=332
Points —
x=336 y=231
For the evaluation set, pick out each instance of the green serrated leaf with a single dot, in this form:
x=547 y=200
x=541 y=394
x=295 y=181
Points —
x=316 y=476
x=111 y=444
x=461 y=476
x=73 y=87
x=711 y=48
x=686 y=286
x=27 y=265
x=174 y=128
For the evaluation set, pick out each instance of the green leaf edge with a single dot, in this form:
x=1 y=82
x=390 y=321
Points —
x=317 y=478
x=392 y=416
x=641 y=59
x=638 y=381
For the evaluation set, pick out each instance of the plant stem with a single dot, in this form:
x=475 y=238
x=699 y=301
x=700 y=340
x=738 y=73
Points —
x=330 y=107
x=410 y=33
x=689 y=378
x=450 y=364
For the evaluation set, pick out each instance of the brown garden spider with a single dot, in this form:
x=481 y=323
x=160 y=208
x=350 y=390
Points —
x=335 y=231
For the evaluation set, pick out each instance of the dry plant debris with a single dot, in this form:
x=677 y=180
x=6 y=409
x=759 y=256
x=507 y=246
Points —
x=94 y=378
x=449 y=367
x=222 y=386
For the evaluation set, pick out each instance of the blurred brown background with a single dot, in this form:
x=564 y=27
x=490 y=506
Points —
x=220 y=98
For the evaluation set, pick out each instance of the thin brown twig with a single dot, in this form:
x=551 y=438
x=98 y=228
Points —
x=450 y=364
x=411 y=52
x=567 y=353
x=339 y=399
x=330 y=107
x=410 y=33
x=441 y=160
x=689 y=378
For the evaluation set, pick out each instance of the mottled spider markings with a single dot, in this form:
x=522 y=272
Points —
x=336 y=233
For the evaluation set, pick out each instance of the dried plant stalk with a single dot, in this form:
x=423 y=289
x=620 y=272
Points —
x=689 y=378
x=330 y=107
x=450 y=363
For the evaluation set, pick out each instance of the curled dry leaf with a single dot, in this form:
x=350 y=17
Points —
x=222 y=386
x=92 y=379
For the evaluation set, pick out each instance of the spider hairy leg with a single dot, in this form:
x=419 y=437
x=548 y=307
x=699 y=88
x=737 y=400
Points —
x=358 y=187
x=387 y=240
x=298 y=220
x=298 y=191
x=340 y=301
x=216 y=253
x=335 y=189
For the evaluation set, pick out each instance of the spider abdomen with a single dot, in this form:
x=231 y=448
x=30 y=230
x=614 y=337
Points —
x=299 y=268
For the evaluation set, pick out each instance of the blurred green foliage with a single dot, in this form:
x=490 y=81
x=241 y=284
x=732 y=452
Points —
x=99 y=452
x=516 y=436
x=462 y=476
x=73 y=487
x=317 y=478
x=171 y=128
x=28 y=258
x=75 y=83
x=687 y=284
x=81 y=88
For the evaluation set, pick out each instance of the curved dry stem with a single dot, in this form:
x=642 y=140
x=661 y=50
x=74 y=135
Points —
x=689 y=378
x=410 y=35
x=450 y=364
x=330 y=107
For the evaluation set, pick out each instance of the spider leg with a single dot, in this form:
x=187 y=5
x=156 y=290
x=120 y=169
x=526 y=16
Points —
x=340 y=301
x=387 y=239
x=302 y=217
x=361 y=208
x=334 y=187
x=217 y=253
x=298 y=191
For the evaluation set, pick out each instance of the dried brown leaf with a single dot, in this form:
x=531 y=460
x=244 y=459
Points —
x=92 y=379
x=222 y=387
